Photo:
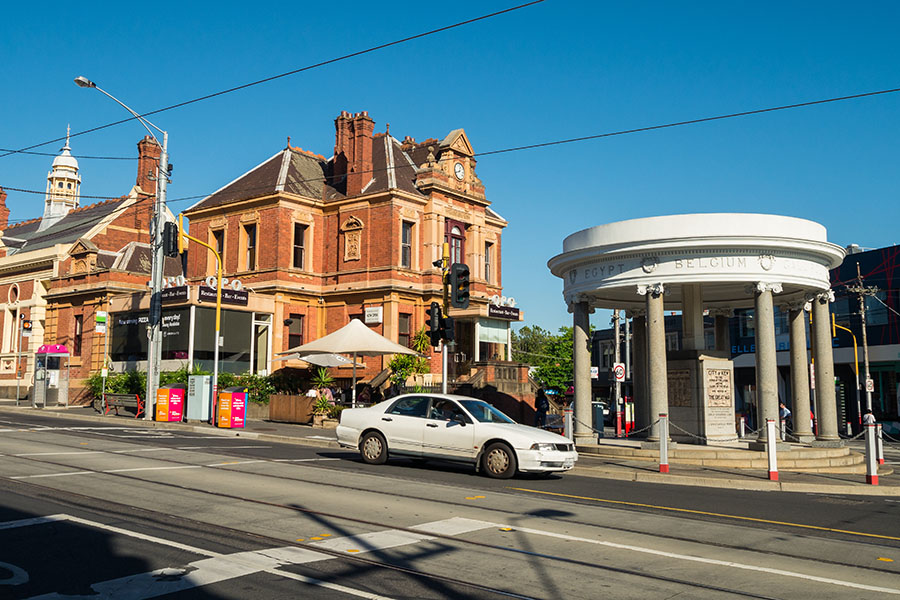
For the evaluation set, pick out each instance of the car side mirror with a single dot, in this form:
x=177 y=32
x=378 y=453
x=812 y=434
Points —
x=459 y=418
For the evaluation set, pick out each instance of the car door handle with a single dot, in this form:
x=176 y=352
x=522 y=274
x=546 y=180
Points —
x=431 y=424
x=386 y=419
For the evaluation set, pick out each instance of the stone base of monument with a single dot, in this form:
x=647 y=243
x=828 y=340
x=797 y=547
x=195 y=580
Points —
x=701 y=397
x=827 y=443
x=645 y=445
x=761 y=446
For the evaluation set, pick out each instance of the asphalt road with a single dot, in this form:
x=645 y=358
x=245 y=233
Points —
x=160 y=512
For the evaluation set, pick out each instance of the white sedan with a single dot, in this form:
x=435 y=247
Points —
x=453 y=428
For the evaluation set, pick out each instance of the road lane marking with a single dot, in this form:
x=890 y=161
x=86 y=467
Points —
x=713 y=561
x=152 y=469
x=66 y=474
x=217 y=567
x=710 y=514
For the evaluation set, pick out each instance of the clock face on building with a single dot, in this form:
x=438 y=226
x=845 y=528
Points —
x=459 y=170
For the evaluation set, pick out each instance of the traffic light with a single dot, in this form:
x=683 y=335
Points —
x=170 y=239
x=447 y=329
x=434 y=323
x=27 y=325
x=459 y=285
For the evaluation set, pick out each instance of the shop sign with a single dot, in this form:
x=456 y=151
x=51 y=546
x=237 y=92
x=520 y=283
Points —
x=208 y=294
x=174 y=294
x=503 y=312
x=374 y=315
x=497 y=300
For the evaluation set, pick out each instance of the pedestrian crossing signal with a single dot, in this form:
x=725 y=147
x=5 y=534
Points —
x=27 y=325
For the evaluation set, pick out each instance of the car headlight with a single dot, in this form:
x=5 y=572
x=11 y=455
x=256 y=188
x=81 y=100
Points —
x=543 y=447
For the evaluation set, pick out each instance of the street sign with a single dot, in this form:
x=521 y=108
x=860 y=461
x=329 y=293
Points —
x=619 y=371
x=870 y=385
x=595 y=372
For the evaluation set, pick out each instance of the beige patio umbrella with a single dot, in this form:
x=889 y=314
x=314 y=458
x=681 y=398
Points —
x=354 y=338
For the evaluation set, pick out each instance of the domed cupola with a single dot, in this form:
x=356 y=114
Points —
x=63 y=187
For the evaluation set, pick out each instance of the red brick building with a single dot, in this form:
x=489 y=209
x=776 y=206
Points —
x=59 y=270
x=323 y=240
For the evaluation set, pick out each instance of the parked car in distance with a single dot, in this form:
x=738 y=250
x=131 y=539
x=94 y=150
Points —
x=455 y=428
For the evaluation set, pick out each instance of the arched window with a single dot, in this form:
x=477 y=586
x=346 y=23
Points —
x=456 y=238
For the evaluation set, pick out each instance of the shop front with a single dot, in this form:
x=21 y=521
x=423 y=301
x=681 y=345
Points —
x=188 y=331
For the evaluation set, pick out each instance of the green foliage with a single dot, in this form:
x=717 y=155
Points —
x=290 y=381
x=404 y=365
x=334 y=411
x=322 y=378
x=321 y=406
x=551 y=355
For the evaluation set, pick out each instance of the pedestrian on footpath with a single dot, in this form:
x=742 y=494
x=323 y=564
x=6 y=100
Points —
x=541 y=406
x=784 y=413
x=868 y=418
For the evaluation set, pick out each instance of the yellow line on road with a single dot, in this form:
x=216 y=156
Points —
x=710 y=514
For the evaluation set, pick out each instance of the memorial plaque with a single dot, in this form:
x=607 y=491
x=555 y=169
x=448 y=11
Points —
x=718 y=387
x=679 y=388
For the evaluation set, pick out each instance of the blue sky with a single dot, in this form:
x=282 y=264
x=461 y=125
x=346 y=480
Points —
x=552 y=71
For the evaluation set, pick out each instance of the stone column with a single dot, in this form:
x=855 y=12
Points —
x=766 y=365
x=692 y=317
x=581 y=356
x=826 y=399
x=639 y=370
x=799 y=374
x=657 y=373
x=723 y=333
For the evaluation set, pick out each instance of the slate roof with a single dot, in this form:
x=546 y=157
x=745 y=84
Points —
x=290 y=170
x=65 y=231
x=298 y=172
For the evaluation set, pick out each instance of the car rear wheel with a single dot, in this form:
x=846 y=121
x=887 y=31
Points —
x=373 y=448
x=499 y=461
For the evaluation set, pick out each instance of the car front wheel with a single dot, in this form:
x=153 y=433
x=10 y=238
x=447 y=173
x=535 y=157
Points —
x=499 y=461
x=373 y=448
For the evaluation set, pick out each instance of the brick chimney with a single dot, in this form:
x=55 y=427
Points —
x=4 y=212
x=353 y=150
x=148 y=162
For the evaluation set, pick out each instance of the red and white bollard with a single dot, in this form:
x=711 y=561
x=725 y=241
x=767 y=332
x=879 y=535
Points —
x=771 y=449
x=880 y=444
x=663 y=443
x=871 y=455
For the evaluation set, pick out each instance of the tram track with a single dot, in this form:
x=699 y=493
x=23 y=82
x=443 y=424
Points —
x=323 y=515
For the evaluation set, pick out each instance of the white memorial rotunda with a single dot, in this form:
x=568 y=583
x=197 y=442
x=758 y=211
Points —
x=693 y=263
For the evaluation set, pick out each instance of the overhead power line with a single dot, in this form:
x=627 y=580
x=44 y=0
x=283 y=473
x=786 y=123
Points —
x=691 y=122
x=286 y=74
x=553 y=143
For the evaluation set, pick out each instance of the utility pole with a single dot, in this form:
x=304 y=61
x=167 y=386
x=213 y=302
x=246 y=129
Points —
x=864 y=291
x=617 y=358
x=154 y=330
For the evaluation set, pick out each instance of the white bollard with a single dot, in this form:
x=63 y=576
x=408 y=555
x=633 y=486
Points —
x=567 y=423
x=663 y=443
x=849 y=429
x=771 y=449
x=743 y=430
x=879 y=444
x=871 y=456
x=781 y=431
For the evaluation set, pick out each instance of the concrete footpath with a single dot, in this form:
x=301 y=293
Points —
x=589 y=466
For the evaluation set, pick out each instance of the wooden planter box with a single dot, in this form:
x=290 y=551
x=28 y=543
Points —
x=286 y=408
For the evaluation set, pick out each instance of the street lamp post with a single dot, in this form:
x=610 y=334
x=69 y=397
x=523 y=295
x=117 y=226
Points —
x=154 y=331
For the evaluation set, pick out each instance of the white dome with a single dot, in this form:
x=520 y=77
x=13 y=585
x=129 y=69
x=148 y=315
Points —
x=65 y=160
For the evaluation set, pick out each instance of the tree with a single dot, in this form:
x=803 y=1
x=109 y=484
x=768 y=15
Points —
x=404 y=365
x=551 y=355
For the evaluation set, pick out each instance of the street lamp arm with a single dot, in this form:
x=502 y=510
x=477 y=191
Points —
x=85 y=82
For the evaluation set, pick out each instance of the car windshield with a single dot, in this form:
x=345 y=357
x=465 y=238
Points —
x=484 y=412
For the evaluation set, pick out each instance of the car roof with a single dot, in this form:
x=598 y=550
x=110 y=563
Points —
x=435 y=395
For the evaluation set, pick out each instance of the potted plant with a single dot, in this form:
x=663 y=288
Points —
x=320 y=411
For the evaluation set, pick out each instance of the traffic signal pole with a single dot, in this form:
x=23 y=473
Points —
x=445 y=350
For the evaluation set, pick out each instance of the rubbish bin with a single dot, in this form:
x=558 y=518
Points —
x=231 y=407
x=597 y=417
x=170 y=402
